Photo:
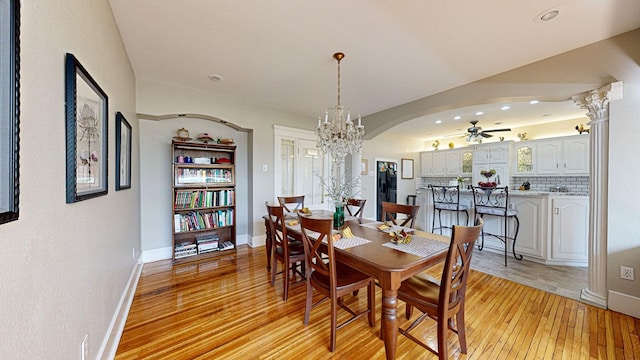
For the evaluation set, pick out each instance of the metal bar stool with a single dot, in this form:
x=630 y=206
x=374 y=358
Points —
x=494 y=201
x=447 y=198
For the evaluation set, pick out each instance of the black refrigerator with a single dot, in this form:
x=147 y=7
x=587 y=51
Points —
x=386 y=184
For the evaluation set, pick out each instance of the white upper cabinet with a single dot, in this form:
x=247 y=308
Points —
x=454 y=164
x=494 y=153
x=524 y=158
x=439 y=163
x=563 y=156
x=426 y=163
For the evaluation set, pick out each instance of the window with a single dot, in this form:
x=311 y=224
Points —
x=9 y=109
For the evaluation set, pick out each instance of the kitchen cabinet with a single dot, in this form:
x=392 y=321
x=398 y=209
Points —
x=421 y=218
x=532 y=236
x=564 y=156
x=466 y=157
x=453 y=162
x=524 y=158
x=439 y=163
x=569 y=230
x=495 y=156
x=426 y=163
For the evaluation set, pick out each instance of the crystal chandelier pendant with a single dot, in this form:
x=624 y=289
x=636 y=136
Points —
x=338 y=135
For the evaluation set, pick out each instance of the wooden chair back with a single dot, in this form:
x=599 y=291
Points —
x=278 y=230
x=355 y=207
x=390 y=213
x=291 y=203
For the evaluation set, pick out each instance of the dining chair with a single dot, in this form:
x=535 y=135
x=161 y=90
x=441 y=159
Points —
x=447 y=198
x=289 y=253
x=332 y=279
x=291 y=203
x=443 y=300
x=494 y=201
x=390 y=212
x=355 y=208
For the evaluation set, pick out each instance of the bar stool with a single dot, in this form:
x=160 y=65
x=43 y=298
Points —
x=495 y=202
x=447 y=198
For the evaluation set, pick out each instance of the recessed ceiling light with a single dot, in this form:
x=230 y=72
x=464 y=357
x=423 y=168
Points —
x=549 y=14
x=457 y=117
x=533 y=102
x=506 y=107
x=438 y=121
x=479 y=113
x=215 y=77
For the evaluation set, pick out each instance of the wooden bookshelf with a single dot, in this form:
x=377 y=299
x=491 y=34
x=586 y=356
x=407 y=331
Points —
x=204 y=198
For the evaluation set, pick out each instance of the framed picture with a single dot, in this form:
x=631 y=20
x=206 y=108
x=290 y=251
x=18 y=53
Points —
x=364 y=166
x=87 y=132
x=407 y=169
x=9 y=110
x=123 y=152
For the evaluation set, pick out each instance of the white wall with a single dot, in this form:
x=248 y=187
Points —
x=65 y=266
x=624 y=209
x=156 y=175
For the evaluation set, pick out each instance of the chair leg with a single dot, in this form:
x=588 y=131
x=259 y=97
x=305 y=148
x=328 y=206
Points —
x=274 y=268
x=515 y=236
x=481 y=245
x=408 y=311
x=440 y=220
x=334 y=323
x=462 y=336
x=371 y=303
x=442 y=339
x=466 y=223
x=307 y=307
x=506 y=239
x=286 y=269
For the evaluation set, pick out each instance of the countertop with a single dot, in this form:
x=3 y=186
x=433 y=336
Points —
x=528 y=192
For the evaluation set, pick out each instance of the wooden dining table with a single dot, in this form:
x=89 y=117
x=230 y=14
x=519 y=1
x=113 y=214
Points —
x=388 y=265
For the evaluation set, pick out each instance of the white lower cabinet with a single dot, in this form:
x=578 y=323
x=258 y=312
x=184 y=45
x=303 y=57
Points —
x=570 y=230
x=532 y=236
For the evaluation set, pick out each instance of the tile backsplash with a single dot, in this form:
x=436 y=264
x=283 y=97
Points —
x=538 y=183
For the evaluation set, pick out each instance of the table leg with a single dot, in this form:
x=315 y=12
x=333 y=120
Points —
x=389 y=323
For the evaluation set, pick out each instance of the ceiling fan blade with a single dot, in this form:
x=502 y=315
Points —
x=485 y=135
x=494 y=130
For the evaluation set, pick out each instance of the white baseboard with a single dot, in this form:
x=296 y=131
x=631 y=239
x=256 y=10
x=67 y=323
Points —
x=624 y=303
x=257 y=241
x=114 y=332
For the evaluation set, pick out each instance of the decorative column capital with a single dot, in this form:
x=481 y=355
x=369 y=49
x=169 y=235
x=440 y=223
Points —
x=596 y=101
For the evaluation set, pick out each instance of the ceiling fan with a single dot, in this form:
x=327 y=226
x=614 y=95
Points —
x=475 y=133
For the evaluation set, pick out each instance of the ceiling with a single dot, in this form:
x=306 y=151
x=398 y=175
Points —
x=278 y=54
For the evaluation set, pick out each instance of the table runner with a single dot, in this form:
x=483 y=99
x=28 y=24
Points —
x=419 y=246
x=374 y=225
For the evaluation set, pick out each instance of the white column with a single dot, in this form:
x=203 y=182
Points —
x=596 y=102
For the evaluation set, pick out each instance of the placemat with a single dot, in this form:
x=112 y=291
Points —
x=346 y=243
x=374 y=225
x=419 y=246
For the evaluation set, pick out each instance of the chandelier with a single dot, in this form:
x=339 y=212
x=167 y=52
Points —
x=337 y=134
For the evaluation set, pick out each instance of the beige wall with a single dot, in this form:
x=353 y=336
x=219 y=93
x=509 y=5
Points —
x=65 y=266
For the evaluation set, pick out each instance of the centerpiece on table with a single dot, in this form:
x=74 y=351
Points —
x=488 y=174
x=339 y=190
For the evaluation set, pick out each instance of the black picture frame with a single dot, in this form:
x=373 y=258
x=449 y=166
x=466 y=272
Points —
x=123 y=152
x=9 y=111
x=87 y=133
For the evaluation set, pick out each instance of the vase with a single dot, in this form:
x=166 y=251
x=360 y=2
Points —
x=338 y=217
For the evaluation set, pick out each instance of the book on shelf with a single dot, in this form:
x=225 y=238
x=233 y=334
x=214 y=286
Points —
x=226 y=245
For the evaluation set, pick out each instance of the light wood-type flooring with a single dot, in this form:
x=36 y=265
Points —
x=225 y=308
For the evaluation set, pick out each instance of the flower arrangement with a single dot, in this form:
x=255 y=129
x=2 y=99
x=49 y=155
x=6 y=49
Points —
x=339 y=189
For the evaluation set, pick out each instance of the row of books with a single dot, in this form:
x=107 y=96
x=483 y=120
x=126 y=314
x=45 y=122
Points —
x=202 y=246
x=201 y=176
x=198 y=220
x=187 y=199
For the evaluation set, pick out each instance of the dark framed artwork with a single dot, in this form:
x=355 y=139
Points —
x=9 y=110
x=123 y=152
x=87 y=133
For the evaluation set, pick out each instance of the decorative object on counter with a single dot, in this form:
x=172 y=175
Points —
x=451 y=145
x=436 y=144
x=182 y=135
x=206 y=138
x=525 y=186
x=487 y=174
x=522 y=136
x=581 y=129
x=461 y=181
x=501 y=138
x=337 y=134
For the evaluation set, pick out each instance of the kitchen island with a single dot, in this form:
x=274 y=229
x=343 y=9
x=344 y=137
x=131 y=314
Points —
x=553 y=225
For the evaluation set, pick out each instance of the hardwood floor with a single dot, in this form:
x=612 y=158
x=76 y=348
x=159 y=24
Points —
x=225 y=308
